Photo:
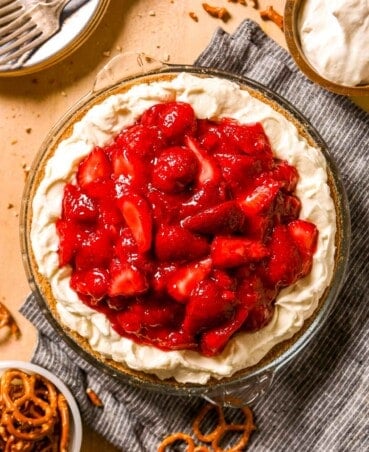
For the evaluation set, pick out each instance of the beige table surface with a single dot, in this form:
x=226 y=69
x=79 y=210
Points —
x=30 y=105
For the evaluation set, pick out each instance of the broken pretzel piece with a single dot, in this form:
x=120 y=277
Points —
x=7 y=321
x=218 y=12
x=193 y=16
x=240 y=2
x=94 y=398
x=271 y=14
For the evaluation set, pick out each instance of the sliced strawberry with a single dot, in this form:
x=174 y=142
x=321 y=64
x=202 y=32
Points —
x=206 y=196
x=258 y=298
x=130 y=168
x=138 y=217
x=258 y=317
x=159 y=280
x=224 y=218
x=95 y=250
x=238 y=170
x=261 y=200
x=110 y=218
x=286 y=174
x=250 y=138
x=209 y=170
x=69 y=233
x=96 y=166
x=125 y=244
x=284 y=266
x=251 y=291
x=174 y=119
x=172 y=339
x=165 y=206
x=213 y=341
x=93 y=282
x=143 y=142
x=100 y=189
x=182 y=282
x=233 y=251
x=206 y=308
x=173 y=243
x=258 y=208
x=175 y=168
x=211 y=138
x=149 y=313
x=287 y=209
x=305 y=236
x=126 y=280
x=223 y=279
x=77 y=205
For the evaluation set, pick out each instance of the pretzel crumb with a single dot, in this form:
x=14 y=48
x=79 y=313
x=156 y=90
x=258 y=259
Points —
x=271 y=14
x=217 y=12
x=94 y=398
x=193 y=16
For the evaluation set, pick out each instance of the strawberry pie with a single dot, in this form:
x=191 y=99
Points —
x=184 y=228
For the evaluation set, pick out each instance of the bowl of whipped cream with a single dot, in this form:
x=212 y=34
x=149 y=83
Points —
x=244 y=368
x=329 y=41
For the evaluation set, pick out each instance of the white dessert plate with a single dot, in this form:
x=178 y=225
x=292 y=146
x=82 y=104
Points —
x=78 y=19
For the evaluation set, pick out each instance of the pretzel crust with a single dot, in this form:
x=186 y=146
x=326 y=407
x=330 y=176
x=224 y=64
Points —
x=34 y=415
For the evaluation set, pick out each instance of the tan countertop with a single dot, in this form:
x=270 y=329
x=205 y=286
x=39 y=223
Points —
x=30 y=105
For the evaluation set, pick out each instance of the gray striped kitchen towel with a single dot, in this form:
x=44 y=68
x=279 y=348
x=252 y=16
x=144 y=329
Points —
x=320 y=401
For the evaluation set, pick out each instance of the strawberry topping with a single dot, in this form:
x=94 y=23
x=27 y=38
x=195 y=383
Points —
x=182 y=231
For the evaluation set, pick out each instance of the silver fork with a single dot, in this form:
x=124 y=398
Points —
x=22 y=29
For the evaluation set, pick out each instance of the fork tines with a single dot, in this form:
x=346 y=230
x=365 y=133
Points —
x=9 y=11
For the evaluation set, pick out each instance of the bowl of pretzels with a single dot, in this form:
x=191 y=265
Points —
x=37 y=411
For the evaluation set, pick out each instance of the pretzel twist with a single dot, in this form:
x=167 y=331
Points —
x=33 y=414
x=214 y=438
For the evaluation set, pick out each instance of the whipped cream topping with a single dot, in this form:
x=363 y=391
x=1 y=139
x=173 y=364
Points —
x=210 y=97
x=334 y=37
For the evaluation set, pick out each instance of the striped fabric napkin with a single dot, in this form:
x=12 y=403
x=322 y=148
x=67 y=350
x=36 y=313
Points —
x=320 y=401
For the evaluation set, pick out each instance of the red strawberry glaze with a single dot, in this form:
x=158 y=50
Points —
x=183 y=231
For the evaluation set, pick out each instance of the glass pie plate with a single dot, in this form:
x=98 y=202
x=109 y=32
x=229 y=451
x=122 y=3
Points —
x=244 y=386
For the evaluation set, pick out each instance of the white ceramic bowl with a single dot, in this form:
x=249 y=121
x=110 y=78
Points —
x=76 y=423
